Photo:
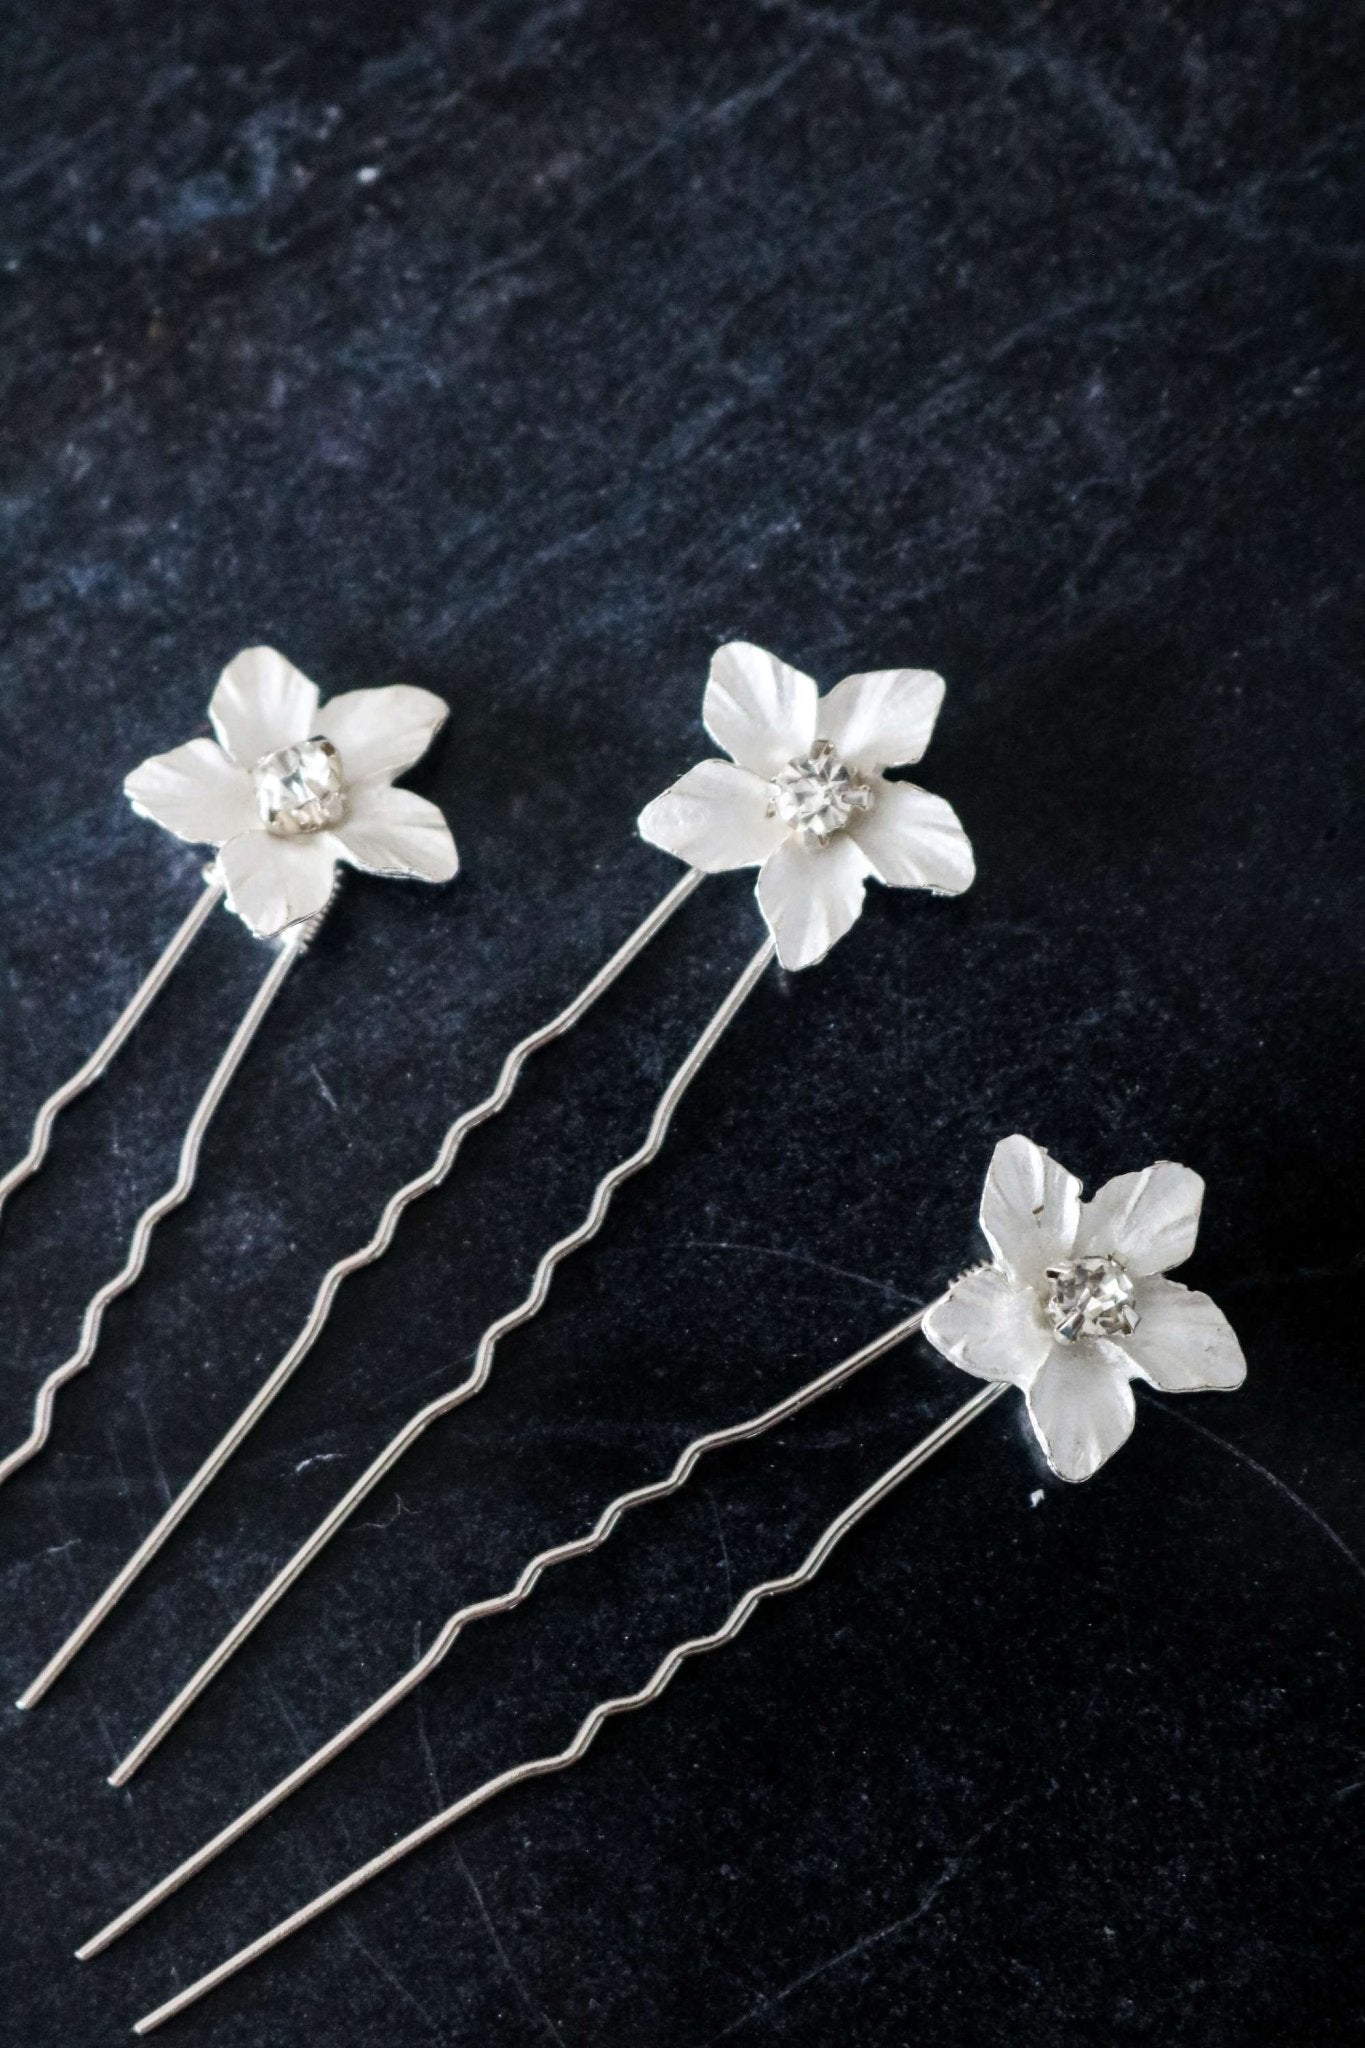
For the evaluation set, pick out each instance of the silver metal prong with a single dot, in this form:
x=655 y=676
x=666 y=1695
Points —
x=152 y=1215
x=122 y=1029
x=236 y=1435
x=474 y=1381
x=446 y=1637
x=590 y=1728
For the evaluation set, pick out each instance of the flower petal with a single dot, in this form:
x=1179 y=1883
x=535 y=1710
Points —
x=395 y=832
x=1081 y=1408
x=273 y=882
x=810 y=896
x=758 y=709
x=1183 y=1343
x=1149 y=1220
x=194 y=791
x=882 y=719
x=990 y=1327
x=913 y=840
x=1030 y=1209
x=714 y=817
x=381 y=732
x=261 y=703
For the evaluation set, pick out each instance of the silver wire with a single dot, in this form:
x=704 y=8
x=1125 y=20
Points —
x=447 y=1636
x=236 y=1435
x=590 y=1728
x=122 y=1028
x=152 y=1215
x=455 y=1397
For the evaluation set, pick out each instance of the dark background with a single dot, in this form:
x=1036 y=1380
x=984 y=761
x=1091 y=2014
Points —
x=528 y=352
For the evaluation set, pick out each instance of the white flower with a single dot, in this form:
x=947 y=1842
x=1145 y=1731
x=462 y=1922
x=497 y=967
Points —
x=803 y=799
x=1074 y=1306
x=292 y=787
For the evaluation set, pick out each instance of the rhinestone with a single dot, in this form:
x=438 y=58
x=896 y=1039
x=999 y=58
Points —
x=1091 y=1298
x=816 y=795
x=300 y=789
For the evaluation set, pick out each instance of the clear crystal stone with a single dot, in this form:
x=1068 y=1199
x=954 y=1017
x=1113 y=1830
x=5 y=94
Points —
x=816 y=795
x=300 y=789
x=1091 y=1297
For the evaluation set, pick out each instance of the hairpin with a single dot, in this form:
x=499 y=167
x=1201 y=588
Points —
x=804 y=798
x=287 y=789
x=1073 y=1307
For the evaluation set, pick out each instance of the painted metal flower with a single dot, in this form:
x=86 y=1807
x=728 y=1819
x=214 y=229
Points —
x=291 y=787
x=1074 y=1306
x=803 y=797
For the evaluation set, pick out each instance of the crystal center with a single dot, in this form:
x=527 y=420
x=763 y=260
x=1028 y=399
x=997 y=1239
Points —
x=1091 y=1298
x=300 y=789
x=816 y=795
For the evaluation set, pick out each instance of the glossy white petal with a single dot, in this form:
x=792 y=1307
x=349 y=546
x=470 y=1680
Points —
x=714 y=817
x=1149 y=1220
x=1081 y=1408
x=273 y=882
x=261 y=703
x=913 y=840
x=1183 y=1343
x=758 y=709
x=810 y=896
x=883 y=719
x=381 y=732
x=1030 y=1209
x=196 y=792
x=990 y=1327
x=395 y=832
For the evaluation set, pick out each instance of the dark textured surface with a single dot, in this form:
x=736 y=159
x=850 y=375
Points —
x=527 y=352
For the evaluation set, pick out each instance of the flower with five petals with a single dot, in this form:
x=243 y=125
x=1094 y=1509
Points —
x=1075 y=1305
x=803 y=797
x=290 y=787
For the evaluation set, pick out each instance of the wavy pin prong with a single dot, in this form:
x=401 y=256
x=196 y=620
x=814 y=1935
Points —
x=1074 y=1306
x=155 y=1212
x=453 y=1628
x=288 y=788
x=591 y=1727
x=117 y=1036
x=474 y=1380
x=378 y=1244
x=816 y=819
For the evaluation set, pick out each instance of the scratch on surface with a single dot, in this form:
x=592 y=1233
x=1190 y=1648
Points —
x=140 y=1396
x=324 y=1091
x=110 y=1745
x=709 y=1498
x=772 y=1251
x=399 y=1508
x=424 y=1741
x=536 y=2011
x=951 y=1868
x=318 y=1458
x=1272 y=1479
x=389 y=1975
x=304 y=1745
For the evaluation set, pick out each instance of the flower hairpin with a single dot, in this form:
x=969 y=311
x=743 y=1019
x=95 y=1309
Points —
x=804 y=796
x=289 y=787
x=1076 y=1296
x=1075 y=1304
x=822 y=820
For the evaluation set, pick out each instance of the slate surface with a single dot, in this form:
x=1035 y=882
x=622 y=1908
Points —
x=527 y=352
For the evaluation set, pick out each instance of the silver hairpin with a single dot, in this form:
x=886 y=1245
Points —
x=289 y=788
x=1074 y=1306
x=803 y=798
